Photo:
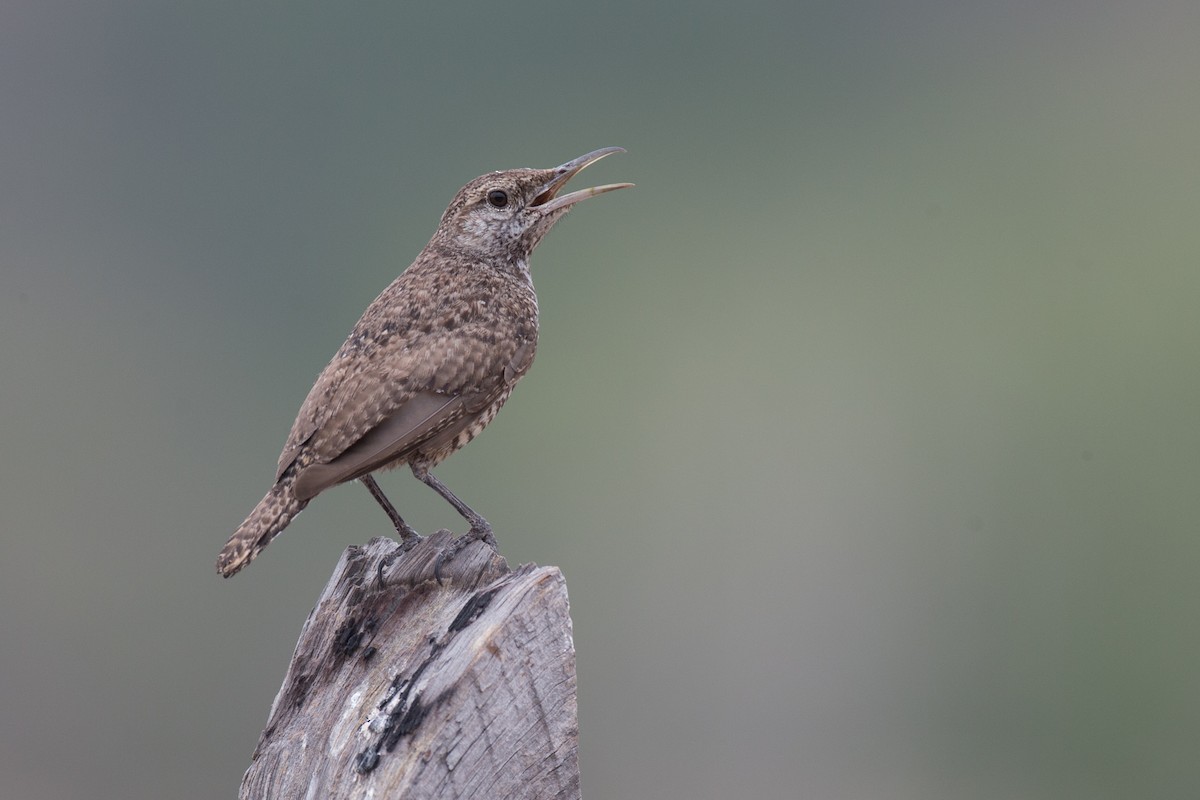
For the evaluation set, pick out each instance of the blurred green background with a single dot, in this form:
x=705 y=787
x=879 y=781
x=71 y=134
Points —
x=865 y=429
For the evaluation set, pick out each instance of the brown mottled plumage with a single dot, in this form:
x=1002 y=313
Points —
x=432 y=360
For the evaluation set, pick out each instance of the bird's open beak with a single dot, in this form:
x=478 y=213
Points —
x=548 y=201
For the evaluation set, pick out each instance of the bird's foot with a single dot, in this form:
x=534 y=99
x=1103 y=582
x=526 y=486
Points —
x=479 y=532
x=409 y=538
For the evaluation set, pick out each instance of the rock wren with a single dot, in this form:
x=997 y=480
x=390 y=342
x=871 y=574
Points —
x=432 y=360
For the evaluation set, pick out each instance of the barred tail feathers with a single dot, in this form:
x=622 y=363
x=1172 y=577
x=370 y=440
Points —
x=266 y=521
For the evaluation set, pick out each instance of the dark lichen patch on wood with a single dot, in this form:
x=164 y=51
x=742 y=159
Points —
x=471 y=609
x=299 y=689
x=367 y=760
x=351 y=634
x=347 y=638
x=402 y=722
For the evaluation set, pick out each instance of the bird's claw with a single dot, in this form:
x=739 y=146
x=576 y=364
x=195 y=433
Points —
x=480 y=533
x=484 y=535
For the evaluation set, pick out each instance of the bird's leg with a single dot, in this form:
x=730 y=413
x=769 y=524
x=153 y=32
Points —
x=480 y=529
x=409 y=538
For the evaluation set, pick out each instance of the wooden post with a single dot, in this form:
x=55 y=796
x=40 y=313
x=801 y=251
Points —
x=404 y=688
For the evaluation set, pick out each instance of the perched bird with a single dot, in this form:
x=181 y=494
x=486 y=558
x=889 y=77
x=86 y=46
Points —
x=432 y=360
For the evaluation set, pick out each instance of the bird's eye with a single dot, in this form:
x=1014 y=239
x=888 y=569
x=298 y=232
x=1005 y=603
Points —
x=498 y=198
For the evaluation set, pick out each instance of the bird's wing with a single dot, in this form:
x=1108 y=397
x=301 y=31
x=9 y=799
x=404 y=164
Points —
x=423 y=415
x=366 y=410
x=327 y=421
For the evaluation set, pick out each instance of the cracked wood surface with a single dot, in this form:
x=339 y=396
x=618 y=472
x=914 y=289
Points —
x=403 y=688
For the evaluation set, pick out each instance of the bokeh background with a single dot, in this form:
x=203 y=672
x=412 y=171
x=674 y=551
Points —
x=866 y=429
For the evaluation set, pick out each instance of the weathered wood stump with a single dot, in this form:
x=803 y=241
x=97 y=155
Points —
x=404 y=688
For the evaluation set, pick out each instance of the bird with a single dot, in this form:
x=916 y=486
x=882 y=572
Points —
x=431 y=361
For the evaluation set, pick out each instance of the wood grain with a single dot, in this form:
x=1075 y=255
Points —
x=403 y=688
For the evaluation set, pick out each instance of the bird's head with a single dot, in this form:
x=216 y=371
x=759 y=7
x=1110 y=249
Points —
x=505 y=214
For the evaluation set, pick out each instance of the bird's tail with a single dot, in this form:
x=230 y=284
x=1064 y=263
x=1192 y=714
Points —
x=266 y=521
